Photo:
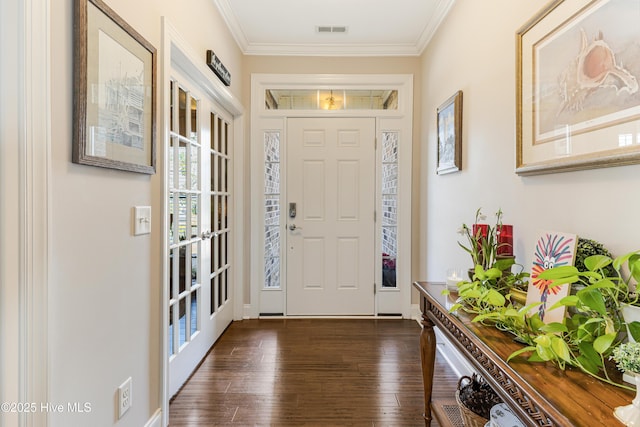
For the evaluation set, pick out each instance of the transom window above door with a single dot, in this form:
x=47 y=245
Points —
x=331 y=99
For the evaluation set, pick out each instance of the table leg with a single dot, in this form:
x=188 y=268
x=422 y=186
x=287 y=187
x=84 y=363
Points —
x=428 y=357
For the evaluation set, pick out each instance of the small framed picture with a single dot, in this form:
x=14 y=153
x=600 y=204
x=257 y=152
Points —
x=114 y=92
x=450 y=135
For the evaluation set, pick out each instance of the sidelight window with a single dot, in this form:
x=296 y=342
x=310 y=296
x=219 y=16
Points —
x=272 y=210
x=389 y=208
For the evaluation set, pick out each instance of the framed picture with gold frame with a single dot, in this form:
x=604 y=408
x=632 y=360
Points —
x=114 y=92
x=578 y=98
x=449 y=118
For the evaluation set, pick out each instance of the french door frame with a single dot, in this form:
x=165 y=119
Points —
x=263 y=121
x=178 y=55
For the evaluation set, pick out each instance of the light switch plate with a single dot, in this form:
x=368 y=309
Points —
x=141 y=220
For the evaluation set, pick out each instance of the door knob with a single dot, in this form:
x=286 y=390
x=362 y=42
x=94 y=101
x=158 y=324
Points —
x=206 y=234
x=294 y=227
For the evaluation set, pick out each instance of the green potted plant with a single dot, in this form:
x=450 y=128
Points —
x=586 y=248
x=584 y=340
x=627 y=357
x=593 y=330
x=587 y=337
x=589 y=247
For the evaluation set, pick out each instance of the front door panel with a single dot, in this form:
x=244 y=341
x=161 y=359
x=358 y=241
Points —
x=331 y=239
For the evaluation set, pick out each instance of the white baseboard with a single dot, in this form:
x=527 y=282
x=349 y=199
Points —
x=247 y=311
x=415 y=312
x=454 y=358
x=155 y=420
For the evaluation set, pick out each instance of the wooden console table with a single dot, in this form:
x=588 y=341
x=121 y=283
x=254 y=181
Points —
x=539 y=393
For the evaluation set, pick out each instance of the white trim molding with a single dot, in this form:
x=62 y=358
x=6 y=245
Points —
x=35 y=191
x=25 y=129
x=263 y=120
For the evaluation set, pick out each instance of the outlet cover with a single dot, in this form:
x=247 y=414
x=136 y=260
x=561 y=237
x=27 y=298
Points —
x=124 y=397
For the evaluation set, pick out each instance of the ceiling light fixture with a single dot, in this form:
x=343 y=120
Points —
x=331 y=102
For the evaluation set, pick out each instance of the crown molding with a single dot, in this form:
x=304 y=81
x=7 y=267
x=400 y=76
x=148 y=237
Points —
x=442 y=9
x=333 y=49
x=232 y=23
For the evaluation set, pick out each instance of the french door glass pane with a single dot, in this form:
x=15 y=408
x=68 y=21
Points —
x=193 y=134
x=171 y=105
x=220 y=282
x=195 y=205
x=213 y=304
x=195 y=166
x=184 y=218
x=195 y=262
x=183 y=322
x=171 y=165
x=193 y=314
x=182 y=112
x=220 y=195
x=171 y=350
x=173 y=268
x=185 y=261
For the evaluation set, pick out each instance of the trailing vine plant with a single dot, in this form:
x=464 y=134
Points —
x=587 y=337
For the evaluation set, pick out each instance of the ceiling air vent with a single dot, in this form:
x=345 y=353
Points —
x=330 y=29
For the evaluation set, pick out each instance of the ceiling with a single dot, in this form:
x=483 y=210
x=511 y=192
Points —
x=371 y=27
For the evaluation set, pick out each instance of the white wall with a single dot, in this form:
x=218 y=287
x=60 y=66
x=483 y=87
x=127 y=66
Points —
x=474 y=51
x=105 y=284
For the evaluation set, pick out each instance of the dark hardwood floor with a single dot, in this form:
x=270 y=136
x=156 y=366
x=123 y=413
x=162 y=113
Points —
x=311 y=372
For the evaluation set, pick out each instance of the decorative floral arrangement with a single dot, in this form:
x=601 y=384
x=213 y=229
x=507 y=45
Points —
x=483 y=240
x=627 y=357
x=585 y=339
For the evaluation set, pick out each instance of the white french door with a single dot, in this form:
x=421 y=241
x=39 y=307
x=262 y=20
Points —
x=330 y=211
x=199 y=243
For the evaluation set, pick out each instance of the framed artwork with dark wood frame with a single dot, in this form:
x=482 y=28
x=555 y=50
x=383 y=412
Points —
x=114 y=92
x=577 y=91
x=450 y=135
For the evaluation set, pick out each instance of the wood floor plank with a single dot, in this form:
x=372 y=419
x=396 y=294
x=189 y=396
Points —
x=311 y=372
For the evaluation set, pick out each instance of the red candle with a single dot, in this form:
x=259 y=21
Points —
x=484 y=230
x=505 y=239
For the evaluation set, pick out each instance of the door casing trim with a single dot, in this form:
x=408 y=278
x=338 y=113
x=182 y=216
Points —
x=399 y=120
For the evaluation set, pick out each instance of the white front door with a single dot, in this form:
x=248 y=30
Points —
x=330 y=254
x=199 y=171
